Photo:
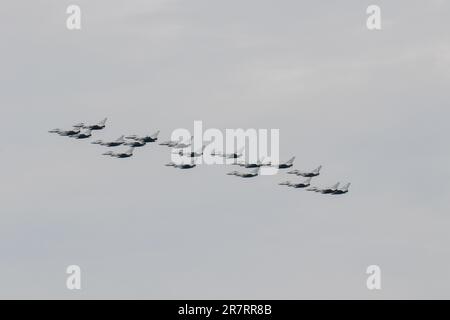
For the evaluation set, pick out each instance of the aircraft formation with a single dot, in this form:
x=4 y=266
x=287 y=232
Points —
x=84 y=131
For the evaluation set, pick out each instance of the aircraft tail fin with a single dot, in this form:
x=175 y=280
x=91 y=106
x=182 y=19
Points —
x=317 y=170
x=155 y=135
x=291 y=160
x=335 y=186
x=121 y=138
x=345 y=188
x=240 y=151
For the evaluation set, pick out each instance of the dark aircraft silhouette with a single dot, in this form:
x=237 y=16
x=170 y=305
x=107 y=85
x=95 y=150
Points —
x=249 y=174
x=115 y=143
x=181 y=165
x=151 y=138
x=329 y=190
x=82 y=135
x=67 y=133
x=126 y=154
x=98 y=126
x=287 y=164
x=303 y=184
x=342 y=190
x=307 y=174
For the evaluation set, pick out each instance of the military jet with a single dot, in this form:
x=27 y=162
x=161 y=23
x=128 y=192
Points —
x=182 y=165
x=192 y=154
x=98 y=126
x=249 y=174
x=135 y=143
x=125 y=154
x=328 y=190
x=115 y=143
x=151 y=138
x=233 y=155
x=257 y=164
x=82 y=135
x=182 y=145
x=67 y=133
x=342 y=190
x=286 y=164
x=303 y=184
x=307 y=174
x=171 y=143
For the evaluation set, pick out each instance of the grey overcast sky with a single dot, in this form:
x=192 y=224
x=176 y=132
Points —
x=372 y=107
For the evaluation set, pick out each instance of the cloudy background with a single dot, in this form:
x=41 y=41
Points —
x=371 y=106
